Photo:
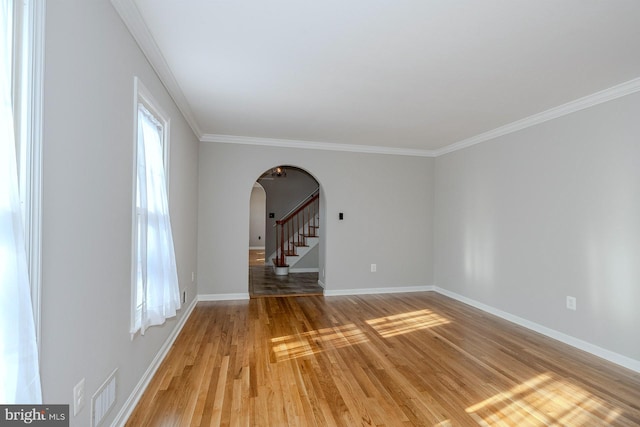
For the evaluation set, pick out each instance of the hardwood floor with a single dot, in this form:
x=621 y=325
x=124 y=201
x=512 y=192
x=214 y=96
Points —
x=256 y=257
x=377 y=360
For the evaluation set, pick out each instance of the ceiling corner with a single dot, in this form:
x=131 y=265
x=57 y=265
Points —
x=130 y=15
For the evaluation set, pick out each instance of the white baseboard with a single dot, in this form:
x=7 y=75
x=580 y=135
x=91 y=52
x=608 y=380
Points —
x=139 y=389
x=223 y=297
x=369 y=291
x=303 y=270
x=256 y=248
x=611 y=356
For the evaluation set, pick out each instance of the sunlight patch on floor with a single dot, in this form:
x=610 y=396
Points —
x=397 y=324
x=312 y=342
x=544 y=400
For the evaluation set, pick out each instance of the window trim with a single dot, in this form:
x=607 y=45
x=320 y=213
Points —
x=143 y=96
x=28 y=69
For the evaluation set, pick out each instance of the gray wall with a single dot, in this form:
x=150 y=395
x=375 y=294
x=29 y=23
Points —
x=91 y=60
x=553 y=210
x=387 y=202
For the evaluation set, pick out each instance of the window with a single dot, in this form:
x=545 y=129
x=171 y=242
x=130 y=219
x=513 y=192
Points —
x=21 y=32
x=156 y=294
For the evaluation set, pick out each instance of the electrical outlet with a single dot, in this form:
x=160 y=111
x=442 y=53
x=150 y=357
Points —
x=78 y=397
x=571 y=303
x=374 y=268
x=193 y=276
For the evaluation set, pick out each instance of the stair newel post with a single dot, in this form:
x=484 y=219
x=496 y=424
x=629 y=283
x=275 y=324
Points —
x=281 y=248
x=305 y=232
x=309 y=220
x=275 y=260
x=289 y=238
x=298 y=228
x=286 y=236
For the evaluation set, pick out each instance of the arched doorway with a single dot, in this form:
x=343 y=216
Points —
x=292 y=234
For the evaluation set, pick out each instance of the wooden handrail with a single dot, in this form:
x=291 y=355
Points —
x=312 y=199
x=295 y=227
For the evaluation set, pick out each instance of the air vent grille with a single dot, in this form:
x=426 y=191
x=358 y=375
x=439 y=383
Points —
x=103 y=400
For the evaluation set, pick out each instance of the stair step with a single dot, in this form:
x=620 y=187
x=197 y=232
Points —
x=310 y=235
x=298 y=245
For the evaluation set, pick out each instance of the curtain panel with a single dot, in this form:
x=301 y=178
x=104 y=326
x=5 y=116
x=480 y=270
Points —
x=19 y=369
x=157 y=289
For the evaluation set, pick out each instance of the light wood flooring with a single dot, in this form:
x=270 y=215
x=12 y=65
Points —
x=256 y=257
x=377 y=360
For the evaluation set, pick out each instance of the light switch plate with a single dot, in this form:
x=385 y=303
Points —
x=78 y=397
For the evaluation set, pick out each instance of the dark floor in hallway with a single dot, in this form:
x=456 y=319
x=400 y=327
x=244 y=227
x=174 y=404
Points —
x=263 y=282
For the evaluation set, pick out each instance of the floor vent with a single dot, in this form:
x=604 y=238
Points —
x=103 y=400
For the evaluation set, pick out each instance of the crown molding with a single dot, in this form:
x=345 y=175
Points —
x=134 y=22
x=618 y=91
x=311 y=145
x=594 y=99
x=132 y=18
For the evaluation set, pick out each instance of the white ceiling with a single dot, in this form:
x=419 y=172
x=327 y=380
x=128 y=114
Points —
x=397 y=74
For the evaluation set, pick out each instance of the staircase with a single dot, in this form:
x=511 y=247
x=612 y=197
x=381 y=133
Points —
x=296 y=234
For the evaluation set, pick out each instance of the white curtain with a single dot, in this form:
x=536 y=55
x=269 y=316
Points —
x=157 y=289
x=19 y=371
